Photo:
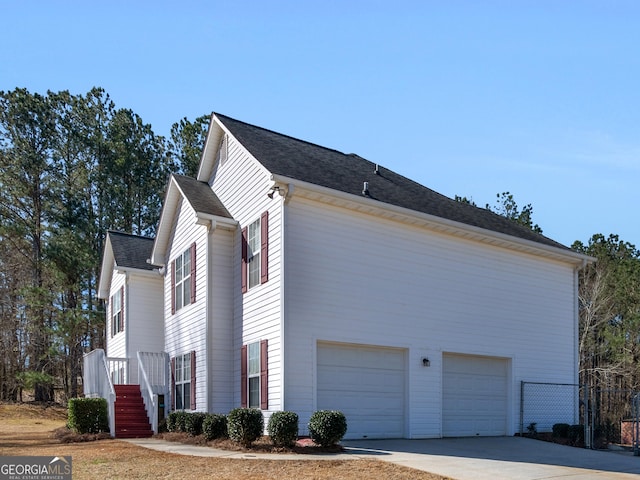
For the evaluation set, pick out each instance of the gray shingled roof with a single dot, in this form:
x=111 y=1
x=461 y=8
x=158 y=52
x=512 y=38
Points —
x=131 y=251
x=201 y=197
x=297 y=159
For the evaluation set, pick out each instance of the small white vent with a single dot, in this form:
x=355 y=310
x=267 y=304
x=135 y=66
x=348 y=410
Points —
x=222 y=151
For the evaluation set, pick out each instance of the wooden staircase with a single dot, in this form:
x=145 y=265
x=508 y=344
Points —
x=131 y=416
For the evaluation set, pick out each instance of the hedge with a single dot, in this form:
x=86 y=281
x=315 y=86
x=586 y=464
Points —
x=88 y=415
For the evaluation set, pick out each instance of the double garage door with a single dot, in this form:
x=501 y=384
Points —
x=367 y=384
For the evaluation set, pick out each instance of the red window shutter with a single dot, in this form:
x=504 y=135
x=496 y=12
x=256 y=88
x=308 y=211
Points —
x=244 y=379
x=264 y=376
x=243 y=267
x=193 y=380
x=193 y=272
x=122 y=309
x=173 y=287
x=173 y=383
x=264 y=247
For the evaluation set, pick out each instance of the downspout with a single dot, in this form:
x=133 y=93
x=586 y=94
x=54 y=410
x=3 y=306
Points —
x=286 y=193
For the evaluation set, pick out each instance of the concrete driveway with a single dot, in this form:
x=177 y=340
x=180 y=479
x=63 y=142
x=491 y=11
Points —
x=492 y=458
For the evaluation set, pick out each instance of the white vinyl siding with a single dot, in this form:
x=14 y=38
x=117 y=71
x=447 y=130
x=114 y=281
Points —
x=116 y=345
x=242 y=185
x=424 y=291
x=186 y=330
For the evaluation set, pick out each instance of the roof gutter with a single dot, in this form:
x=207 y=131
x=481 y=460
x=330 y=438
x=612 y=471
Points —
x=433 y=222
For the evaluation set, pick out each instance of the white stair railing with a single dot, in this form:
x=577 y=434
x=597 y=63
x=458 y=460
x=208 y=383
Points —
x=119 y=370
x=153 y=374
x=97 y=383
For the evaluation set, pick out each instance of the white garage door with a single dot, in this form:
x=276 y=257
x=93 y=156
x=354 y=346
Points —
x=474 y=396
x=367 y=384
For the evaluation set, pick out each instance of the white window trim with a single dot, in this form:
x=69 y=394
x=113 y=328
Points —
x=116 y=313
x=184 y=284
x=254 y=244
x=183 y=381
x=253 y=359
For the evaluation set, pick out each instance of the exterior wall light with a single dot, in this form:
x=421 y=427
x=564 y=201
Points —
x=426 y=362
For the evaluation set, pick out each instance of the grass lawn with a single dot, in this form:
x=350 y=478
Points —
x=27 y=429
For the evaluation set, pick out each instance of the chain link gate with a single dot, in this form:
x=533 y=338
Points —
x=543 y=405
x=596 y=417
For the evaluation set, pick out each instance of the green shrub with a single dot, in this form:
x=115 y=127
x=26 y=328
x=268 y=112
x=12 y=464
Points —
x=88 y=415
x=193 y=423
x=327 y=427
x=245 y=425
x=560 y=430
x=177 y=421
x=214 y=426
x=576 y=434
x=283 y=428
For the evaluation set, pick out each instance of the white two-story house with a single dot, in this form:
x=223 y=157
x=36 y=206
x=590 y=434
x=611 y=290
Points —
x=296 y=277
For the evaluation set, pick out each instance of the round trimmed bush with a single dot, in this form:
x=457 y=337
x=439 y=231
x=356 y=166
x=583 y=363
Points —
x=327 y=427
x=214 y=426
x=283 y=428
x=177 y=421
x=193 y=423
x=245 y=425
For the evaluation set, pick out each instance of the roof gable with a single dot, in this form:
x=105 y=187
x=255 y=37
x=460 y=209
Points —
x=300 y=160
x=123 y=251
x=202 y=200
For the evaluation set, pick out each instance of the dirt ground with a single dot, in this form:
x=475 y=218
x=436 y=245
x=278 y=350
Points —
x=28 y=429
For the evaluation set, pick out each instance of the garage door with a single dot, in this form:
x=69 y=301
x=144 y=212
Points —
x=474 y=396
x=367 y=384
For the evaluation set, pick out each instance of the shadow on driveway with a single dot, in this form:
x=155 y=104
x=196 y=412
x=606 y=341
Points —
x=500 y=458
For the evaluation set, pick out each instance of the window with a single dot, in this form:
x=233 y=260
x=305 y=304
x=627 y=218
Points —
x=183 y=279
x=254 y=375
x=255 y=253
x=183 y=379
x=117 y=312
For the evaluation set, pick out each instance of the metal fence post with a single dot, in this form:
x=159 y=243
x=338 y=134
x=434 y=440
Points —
x=521 y=408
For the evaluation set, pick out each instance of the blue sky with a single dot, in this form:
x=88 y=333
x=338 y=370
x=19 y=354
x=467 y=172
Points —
x=471 y=98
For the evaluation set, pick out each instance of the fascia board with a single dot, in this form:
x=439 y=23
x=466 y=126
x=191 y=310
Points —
x=433 y=222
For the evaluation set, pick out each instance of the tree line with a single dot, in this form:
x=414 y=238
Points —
x=71 y=168
x=74 y=166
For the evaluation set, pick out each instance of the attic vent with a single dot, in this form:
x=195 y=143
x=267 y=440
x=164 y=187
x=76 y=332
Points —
x=365 y=189
x=222 y=151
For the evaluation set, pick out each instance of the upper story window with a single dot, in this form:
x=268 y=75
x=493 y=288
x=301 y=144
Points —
x=183 y=279
x=117 y=312
x=255 y=253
